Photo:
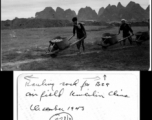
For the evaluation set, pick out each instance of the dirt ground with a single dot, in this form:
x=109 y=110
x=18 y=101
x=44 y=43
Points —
x=25 y=50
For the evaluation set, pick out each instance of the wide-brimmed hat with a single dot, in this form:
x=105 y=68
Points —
x=123 y=20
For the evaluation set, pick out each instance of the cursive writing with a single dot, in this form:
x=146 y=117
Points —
x=31 y=94
x=56 y=93
x=84 y=85
x=33 y=84
x=75 y=83
x=94 y=94
x=115 y=93
x=56 y=108
x=60 y=91
x=37 y=108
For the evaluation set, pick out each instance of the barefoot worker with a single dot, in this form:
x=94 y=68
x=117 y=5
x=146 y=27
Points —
x=81 y=33
x=126 y=29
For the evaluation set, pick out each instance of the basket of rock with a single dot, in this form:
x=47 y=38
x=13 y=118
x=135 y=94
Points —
x=61 y=42
x=109 y=38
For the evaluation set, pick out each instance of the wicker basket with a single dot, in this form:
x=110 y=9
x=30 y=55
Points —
x=63 y=43
x=110 y=38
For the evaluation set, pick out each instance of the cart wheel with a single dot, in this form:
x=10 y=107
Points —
x=53 y=55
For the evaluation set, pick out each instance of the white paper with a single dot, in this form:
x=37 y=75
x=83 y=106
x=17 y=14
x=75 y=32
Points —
x=76 y=95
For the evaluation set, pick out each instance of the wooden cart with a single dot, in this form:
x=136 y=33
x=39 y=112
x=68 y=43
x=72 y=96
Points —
x=56 y=47
x=109 y=39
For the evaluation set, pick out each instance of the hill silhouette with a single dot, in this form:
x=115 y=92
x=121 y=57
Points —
x=49 y=17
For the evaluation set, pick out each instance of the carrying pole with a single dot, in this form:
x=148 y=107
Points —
x=76 y=42
x=70 y=38
x=125 y=38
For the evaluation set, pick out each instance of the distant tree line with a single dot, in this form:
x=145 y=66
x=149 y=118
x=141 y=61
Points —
x=33 y=23
x=22 y=23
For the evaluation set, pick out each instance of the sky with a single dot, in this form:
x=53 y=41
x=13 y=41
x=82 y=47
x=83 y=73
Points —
x=27 y=8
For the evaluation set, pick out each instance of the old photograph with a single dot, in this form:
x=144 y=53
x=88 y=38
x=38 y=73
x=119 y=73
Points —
x=80 y=35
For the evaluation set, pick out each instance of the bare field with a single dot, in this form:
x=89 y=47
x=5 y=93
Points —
x=24 y=49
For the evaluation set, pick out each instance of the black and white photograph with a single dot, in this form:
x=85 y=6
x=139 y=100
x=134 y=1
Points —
x=75 y=59
x=80 y=35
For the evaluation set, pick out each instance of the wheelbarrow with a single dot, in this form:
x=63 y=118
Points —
x=141 y=37
x=59 y=44
x=109 y=39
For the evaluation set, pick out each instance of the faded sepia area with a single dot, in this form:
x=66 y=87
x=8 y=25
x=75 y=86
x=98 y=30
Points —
x=75 y=35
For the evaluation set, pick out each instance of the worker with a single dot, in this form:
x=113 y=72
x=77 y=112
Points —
x=126 y=31
x=79 y=29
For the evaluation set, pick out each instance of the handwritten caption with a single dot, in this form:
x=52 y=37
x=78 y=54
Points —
x=89 y=87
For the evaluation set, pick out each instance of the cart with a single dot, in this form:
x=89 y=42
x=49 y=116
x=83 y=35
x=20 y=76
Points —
x=141 y=37
x=59 y=44
x=109 y=39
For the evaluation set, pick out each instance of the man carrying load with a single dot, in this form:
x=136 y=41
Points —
x=81 y=33
x=126 y=29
